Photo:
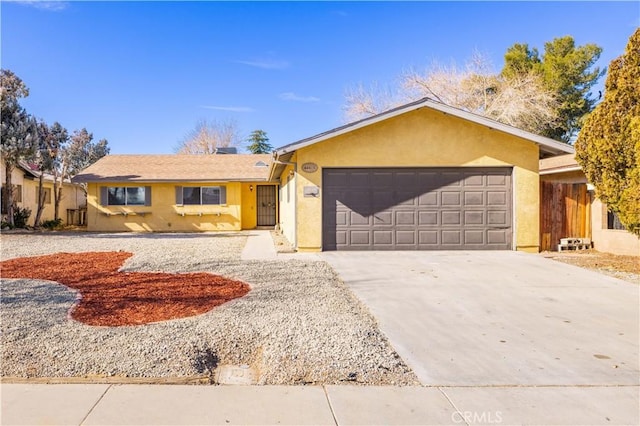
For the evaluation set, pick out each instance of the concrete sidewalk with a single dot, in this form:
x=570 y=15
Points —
x=77 y=404
x=260 y=246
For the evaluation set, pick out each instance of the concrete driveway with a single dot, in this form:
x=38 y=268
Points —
x=499 y=318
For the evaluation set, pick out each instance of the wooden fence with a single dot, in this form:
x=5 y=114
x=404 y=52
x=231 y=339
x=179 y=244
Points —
x=565 y=212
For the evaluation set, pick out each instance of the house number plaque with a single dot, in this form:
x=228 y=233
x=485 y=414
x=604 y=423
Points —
x=309 y=167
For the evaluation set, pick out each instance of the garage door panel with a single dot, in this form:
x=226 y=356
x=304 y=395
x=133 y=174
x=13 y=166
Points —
x=452 y=217
x=406 y=238
x=496 y=198
x=382 y=179
x=383 y=237
x=452 y=237
x=451 y=179
x=450 y=198
x=429 y=199
x=473 y=236
x=429 y=238
x=359 y=238
x=497 y=218
x=356 y=219
x=404 y=198
x=383 y=218
x=335 y=178
x=497 y=179
x=474 y=217
x=473 y=198
x=413 y=209
x=473 y=180
x=405 y=218
x=497 y=236
x=359 y=179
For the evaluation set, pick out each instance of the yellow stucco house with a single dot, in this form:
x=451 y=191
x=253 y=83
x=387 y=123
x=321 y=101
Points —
x=423 y=176
x=25 y=180
x=186 y=193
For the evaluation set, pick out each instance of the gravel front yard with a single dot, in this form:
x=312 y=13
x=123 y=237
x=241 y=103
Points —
x=298 y=324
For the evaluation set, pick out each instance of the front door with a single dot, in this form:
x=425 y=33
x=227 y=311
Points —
x=266 y=205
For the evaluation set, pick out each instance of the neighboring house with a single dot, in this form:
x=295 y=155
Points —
x=424 y=176
x=218 y=192
x=570 y=210
x=25 y=179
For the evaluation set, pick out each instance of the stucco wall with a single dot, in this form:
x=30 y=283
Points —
x=164 y=215
x=611 y=240
x=73 y=197
x=287 y=201
x=423 y=138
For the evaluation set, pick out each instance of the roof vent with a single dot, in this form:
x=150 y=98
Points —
x=227 y=150
x=261 y=164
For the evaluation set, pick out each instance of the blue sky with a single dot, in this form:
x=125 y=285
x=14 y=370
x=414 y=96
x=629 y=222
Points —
x=141 y=74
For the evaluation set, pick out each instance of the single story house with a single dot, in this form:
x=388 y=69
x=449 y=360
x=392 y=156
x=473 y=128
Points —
x=423 y=176
x=25 y=179
x=575 y=212
x=162 y=193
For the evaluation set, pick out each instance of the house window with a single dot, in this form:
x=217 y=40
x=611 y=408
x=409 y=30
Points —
x=613 y=221
x=201 y=195
x=17 y=197
x=125 y=196
x=47 y=195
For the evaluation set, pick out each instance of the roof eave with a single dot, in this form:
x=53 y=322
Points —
x=547 y=145
x=78 y=179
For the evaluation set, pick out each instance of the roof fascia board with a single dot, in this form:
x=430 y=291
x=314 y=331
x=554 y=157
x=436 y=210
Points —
x=109 y=180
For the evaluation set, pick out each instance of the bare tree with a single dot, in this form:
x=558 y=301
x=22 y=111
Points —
x=520 y=101
x=208 y=136
x=362 y=102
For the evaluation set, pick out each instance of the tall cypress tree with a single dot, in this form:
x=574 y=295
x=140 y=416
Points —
x=608 y=147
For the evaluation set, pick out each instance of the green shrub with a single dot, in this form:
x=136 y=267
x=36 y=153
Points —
x=52 y=224
x=21 y=216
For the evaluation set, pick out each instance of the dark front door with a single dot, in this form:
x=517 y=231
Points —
x=266 y=205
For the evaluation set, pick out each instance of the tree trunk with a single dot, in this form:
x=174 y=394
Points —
x=40 y=200
x=58 y=197
x=8 y=169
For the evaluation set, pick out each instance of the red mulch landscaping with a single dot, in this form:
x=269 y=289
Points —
x=112 y=298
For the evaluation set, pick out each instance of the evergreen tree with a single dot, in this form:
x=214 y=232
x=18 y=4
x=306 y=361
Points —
x=17 y=133
x=608 y=147
x=259 y=142
x=567 y=71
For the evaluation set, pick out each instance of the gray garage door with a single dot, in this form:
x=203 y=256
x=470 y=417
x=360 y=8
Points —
x=417 y=209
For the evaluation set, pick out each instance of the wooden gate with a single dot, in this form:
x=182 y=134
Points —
x=565 y=212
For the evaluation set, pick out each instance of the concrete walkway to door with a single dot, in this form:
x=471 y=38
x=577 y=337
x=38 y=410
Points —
x=499 y=318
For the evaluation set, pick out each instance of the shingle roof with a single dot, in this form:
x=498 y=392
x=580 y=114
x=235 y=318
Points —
x=177 y=168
